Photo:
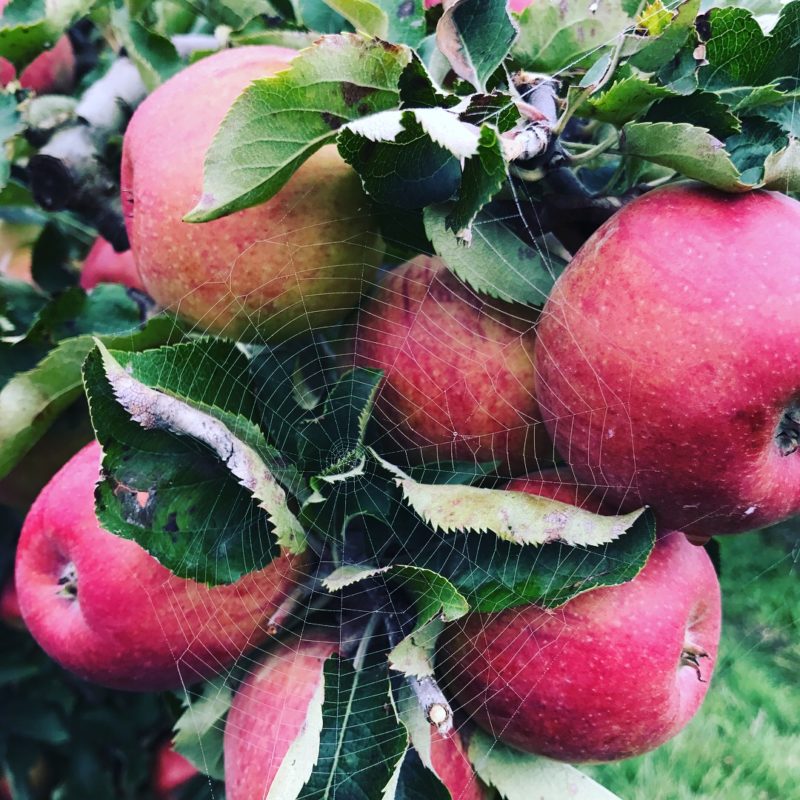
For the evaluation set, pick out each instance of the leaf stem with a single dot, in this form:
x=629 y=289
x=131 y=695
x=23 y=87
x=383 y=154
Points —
x=594 y=150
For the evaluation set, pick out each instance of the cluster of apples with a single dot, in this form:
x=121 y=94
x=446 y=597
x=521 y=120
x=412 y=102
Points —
x=660 y=369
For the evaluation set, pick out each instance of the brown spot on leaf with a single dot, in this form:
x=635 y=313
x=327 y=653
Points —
x=353 y=93
x=333 y=121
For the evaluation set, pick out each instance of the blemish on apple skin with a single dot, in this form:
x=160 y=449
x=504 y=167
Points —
x=751 y=510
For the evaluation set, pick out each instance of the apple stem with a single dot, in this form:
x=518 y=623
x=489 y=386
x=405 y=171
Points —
x=787 y=437
x=68 y=582
x=433 y=702
x=690 y=657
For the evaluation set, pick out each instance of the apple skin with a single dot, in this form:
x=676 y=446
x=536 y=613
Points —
x=103 y=264
x=600 y=678
x=270 y=708
x=299 y=260
x=105 y=609
x=52 y=72
x=458 y=369
x=171 y=771
x=663 y=353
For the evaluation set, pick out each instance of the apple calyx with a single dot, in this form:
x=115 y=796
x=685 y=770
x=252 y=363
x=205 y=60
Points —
x=787 y=436
x=690 y=657
x=68 y=582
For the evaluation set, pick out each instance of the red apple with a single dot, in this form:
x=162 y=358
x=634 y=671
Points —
x=299 y=260
x=458 y=368
x=271 y=706
x=52 y=72
x=662 y=353
x=171 y=772
x=613 y=673
x=103 y=264
x=105 y=609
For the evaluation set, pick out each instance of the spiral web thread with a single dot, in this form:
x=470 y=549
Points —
x=248 y=665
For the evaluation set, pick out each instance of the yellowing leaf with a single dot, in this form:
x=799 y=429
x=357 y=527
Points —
x=514 y=516
x=654 y=19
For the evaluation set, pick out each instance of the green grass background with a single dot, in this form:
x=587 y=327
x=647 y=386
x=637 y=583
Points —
x=744 y=743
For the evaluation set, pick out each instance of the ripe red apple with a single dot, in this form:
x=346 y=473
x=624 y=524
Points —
x=171 y=772
x=105 y=609
x=271 y=706
x=458 y=368
x=613 y=673
x=662 y=359
x=52 y=72
x=299 y=260
x=103 y=264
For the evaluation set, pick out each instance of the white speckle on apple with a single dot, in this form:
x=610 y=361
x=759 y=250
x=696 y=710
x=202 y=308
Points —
x=751 y=510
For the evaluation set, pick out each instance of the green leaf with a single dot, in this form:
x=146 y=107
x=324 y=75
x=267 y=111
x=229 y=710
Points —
x=278 y=122
x=782 y=169
x=415 y=781
x=153 y=54
x=360 y=743
x=494 y=574
x=32 y=399
x=692 y=151
x=750 y=149
x=364 y=15
x=408 y=159
x=179 y=481
x=660 y=49
x=475 y=36
x=562 y=34
x=519 y=776
x=498 y=263
x=701 y=109
x=485 y=173
x=20 y=304
x=28 y=27
x=198 y=731
x=233 y=13
x=739 y=53
x=516 y=517
x=625 y=100
x=392 y=20
x=10 y=125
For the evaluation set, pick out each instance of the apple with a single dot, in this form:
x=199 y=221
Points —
x=662 y=353
x=171 y=772
x=270 y=708
x=300 y=260
x=105 y=609
x=612 y=673
x=103 y=264
x=458 y=368
x=52 y=72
